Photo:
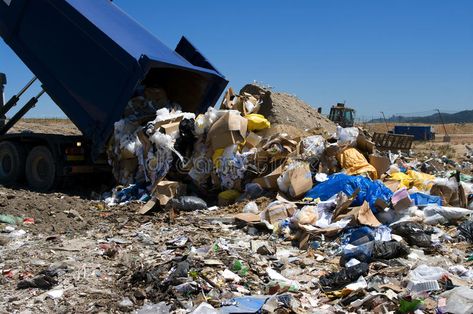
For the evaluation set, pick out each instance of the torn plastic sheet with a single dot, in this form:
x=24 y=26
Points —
x=369 y=190
x=325 y=216
x=251 y=304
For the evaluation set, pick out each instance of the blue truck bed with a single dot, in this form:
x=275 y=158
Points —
x=90 y=56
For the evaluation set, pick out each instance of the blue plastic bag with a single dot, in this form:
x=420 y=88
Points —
x=370 y=190
x=358 y=235
x=421 y=199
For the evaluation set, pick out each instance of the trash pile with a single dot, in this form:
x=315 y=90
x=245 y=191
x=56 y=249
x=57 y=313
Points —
x=331 y=195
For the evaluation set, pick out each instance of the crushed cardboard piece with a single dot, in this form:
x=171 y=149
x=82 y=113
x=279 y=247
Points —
x=362 y=215
x=270 y=181
x=161 y=194
x=169 y=128
x=227 y=130
x=365 y=216
x=343 y=203
x=252 y=140
x=300 y=181
x=381 y=164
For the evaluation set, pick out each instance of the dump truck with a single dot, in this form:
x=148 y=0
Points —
x=89 y=57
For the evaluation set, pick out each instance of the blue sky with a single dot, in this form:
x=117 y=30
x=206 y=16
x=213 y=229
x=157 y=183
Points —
x=399 y=56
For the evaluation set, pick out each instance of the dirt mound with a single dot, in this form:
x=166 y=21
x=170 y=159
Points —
x=50 y=126
x=281 y=108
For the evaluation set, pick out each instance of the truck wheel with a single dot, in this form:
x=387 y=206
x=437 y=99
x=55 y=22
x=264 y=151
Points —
x=40 y=169
x=12 y=162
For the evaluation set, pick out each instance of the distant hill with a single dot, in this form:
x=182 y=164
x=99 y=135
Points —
x=465 y=116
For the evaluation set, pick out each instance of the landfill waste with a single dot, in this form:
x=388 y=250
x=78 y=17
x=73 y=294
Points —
x=466 y=230
x=240 y=209
x=458 y=300
x=188 y=203
x=413 y=233
x=337 y=280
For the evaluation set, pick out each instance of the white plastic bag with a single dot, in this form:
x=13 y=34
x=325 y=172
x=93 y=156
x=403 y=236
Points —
x=347 y=136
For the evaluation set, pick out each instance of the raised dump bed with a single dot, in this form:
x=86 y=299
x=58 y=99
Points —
x=90 y=56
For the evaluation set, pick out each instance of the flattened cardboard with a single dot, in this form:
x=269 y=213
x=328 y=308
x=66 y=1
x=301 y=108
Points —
x=158 y=124
x=363 y=215
x=228 y=130
x=147 y=207
x=381 y=164
x=248 y=217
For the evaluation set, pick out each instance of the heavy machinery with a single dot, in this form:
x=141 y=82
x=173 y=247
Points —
x=89 y=57
x=341 y=115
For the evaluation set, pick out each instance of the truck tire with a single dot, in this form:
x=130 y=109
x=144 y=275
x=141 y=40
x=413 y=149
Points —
x=12 y=162
x=40 y=169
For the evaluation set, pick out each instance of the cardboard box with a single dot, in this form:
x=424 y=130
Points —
x=228 y=130
x=270 y=181
x=278 y=211
x=166 y=190
x=300 y=181
x=403 y=204
x=363 y=144
x=401 y=199
x=162 y=193
x=296 y=180
x=380 y=163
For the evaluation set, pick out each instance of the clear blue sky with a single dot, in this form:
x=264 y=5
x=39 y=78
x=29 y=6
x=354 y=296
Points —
x=394 y=56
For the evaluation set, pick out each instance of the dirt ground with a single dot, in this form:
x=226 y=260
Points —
x=98 y=252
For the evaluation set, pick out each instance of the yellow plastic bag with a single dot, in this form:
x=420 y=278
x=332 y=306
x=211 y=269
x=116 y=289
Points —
x=257 y=122
x=216 y=157
x=403 y=178
x=420 y=180
x=228 y=197
x=355 y=163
